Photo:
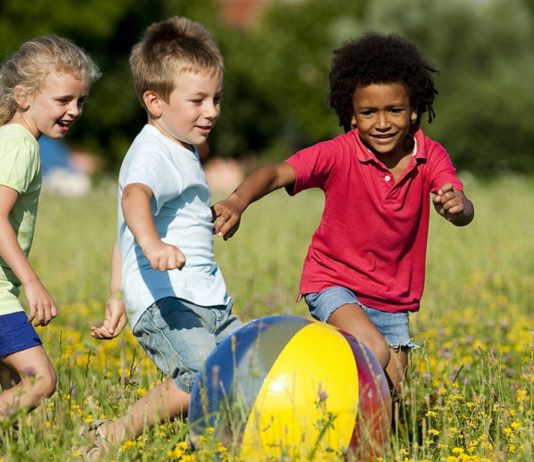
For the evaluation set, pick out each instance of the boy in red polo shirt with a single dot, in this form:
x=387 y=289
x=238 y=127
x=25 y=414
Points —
x=365 y=267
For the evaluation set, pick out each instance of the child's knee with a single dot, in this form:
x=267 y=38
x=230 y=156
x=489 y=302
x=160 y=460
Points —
x=49 y=384
x=42 y=383
x=382 y=352
x=378 y=346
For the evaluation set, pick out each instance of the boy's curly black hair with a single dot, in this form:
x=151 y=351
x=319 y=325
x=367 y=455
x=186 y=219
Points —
x=378 y=58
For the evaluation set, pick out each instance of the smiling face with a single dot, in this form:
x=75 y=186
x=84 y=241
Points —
x=193 y=107
x=382 y=114
x=54 y=109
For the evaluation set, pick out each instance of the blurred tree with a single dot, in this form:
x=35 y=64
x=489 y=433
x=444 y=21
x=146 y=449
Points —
x=289 y=64
x=276 y=82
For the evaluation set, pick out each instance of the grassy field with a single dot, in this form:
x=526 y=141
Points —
x=470 y=392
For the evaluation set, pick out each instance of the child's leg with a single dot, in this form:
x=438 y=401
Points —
x=177 y=336
x=33 y=376
x=352 y=319
x=164 y=401
x=396 y=373
x=339 y=306
x=396 y=369
x=8 y=377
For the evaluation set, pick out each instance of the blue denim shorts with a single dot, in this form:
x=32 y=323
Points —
x=393 y=326
x=179 y=335
x=16 y=333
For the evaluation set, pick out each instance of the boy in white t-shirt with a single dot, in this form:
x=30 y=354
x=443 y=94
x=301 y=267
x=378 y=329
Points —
x=163 y=266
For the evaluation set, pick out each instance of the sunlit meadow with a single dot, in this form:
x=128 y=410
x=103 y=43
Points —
x=470 y=391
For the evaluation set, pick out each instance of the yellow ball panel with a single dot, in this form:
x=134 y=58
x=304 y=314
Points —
x=313 y=380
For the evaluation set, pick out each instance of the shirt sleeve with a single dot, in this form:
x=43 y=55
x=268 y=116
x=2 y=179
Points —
x=313 y=166
x=19 y=164
x=441 y=169
x=155 y=171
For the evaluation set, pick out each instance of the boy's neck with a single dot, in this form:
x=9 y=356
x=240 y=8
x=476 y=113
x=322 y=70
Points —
x=169 y=135
x=399 y=161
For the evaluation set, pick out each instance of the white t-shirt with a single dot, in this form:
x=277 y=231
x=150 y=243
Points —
x=182 y=214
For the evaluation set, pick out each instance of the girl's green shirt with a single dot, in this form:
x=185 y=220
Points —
x=20 y=169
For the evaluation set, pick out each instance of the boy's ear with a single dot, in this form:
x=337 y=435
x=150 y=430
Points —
x=20 y=95
x=153 y=103
x=353 y=121
x=413 y=117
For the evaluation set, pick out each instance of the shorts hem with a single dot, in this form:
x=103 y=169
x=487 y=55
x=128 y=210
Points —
x=18 y=349
x=180 y=384
x=409 y=345
x=17 y=334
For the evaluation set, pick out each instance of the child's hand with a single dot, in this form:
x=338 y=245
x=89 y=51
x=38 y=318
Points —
x=42 y=306
x=448 y=201
x=163 y=256
x=453 y=205
x=115 y=319
x=227 y=218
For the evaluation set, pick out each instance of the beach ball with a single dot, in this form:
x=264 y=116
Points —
x=289 y=388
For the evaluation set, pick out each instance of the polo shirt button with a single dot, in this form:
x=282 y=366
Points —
x=387 y=178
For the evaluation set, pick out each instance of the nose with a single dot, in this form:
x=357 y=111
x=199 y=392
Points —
x=382 y=122
x=212 y=110
x=75 y=108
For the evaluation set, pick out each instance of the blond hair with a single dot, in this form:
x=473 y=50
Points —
x=169 y=47
x=29 y=65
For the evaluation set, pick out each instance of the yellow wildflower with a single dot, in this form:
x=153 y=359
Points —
x=128 y=444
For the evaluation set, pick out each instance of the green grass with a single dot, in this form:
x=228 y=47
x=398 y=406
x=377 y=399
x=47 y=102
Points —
x=469 y=396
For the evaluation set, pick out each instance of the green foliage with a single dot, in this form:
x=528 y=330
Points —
x=277 y=77
x=276 y=83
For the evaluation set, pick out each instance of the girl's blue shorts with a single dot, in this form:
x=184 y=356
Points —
x=16 y=333
x=393 y=326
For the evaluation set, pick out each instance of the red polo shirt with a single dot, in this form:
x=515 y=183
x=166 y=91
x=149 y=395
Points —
x=373 y=233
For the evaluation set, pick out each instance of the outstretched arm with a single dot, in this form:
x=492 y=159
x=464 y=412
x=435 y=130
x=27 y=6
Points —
x=138 y=216
x=115 y=317
x=227 y=213
x=453 y=205
x=42 y=306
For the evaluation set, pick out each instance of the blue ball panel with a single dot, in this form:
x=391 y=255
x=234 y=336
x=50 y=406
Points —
x=235 y=370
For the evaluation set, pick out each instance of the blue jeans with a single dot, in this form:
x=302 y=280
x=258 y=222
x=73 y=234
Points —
x=178 y=336
x=393 y=326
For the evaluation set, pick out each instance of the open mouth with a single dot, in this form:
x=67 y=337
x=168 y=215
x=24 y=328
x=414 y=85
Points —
x=204 y=129
x=64 y=123
x=384 y=138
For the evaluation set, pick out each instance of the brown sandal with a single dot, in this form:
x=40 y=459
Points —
x=97 y=445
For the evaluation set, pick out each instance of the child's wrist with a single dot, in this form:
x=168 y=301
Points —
x=117 y=294
x=241 y=202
